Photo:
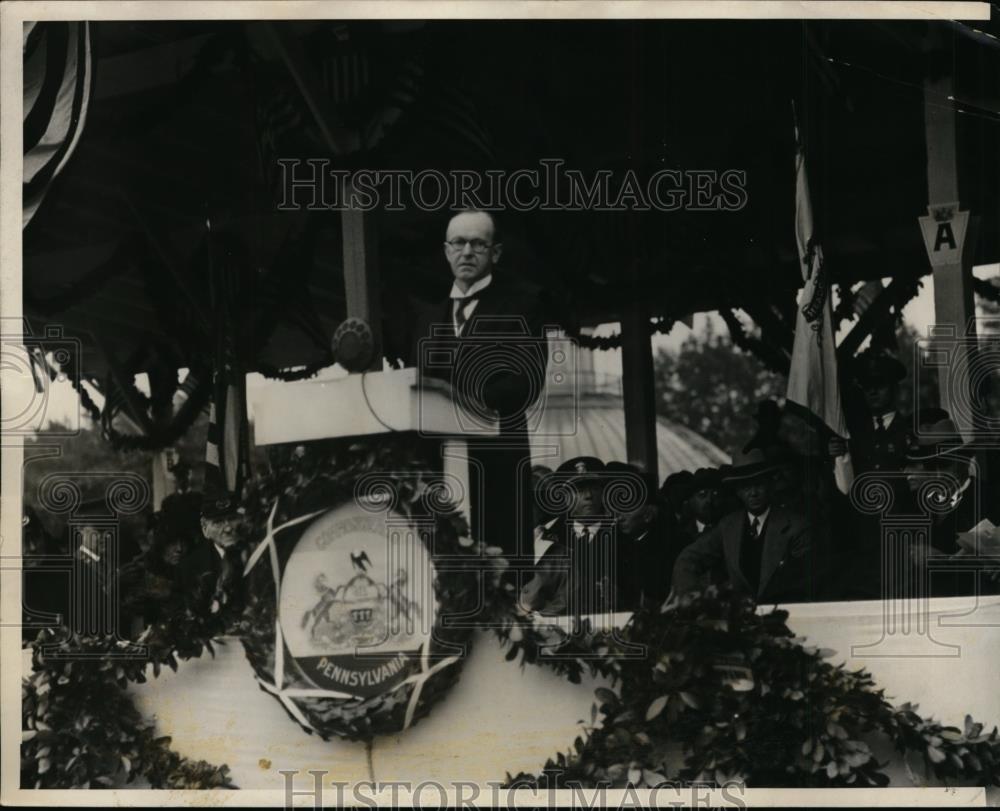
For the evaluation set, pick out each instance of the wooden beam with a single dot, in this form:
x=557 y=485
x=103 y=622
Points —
x=133 y=406
x=361 y=271
x=898 y=292
x=638 y=388
x=954 y=308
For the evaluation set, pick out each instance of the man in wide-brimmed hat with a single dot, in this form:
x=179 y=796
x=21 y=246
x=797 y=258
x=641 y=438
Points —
x=766 y=549
x=573 y=573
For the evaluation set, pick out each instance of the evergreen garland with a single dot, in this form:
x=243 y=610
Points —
x=723 y=694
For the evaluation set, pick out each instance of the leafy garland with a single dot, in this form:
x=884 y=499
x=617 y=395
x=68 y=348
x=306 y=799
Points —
x=727 y=695
x=323 y=475
x=82 y=730
x=724 y=694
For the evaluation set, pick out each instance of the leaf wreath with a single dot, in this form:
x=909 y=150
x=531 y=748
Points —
x=723 y=694
x=323 y=475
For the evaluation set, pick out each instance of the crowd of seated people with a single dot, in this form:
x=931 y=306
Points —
x=777 y=525
x=180 y=566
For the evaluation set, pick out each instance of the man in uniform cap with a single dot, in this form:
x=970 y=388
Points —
x=576 y=570
x=766 y=549
x=879 y=440
x=221 y=517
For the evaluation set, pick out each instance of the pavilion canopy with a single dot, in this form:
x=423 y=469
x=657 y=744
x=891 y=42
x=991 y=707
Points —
x=187 y=120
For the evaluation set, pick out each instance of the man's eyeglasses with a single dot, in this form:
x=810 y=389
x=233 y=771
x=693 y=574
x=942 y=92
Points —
x=477 y=245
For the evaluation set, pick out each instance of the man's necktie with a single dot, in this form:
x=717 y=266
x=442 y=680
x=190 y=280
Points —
x=755 y=527
x=879 y=423
x=461 y=310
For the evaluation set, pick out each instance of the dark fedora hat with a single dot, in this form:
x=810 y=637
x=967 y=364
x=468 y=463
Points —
x=750 y=465
x=876 y=366
x=581 y=468
x=631 y=470
x=706 y=478
x=937 y=436
x=676 y=488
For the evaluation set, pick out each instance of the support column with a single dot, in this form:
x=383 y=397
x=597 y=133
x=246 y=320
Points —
x=944 y=229
x=361 y=276
x=163 y=480
x=638 y=388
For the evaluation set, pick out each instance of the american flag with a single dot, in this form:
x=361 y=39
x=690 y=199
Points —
x=226 y=455
x=58 y=79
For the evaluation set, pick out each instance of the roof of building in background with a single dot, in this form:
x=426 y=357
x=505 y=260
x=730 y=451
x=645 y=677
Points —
x=594 y=425
x=582 y=414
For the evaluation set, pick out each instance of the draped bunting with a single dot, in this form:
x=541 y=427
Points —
x=58 y=78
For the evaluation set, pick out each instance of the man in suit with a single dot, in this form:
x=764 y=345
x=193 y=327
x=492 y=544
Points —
x=579 y=568
x=766 y=549
x=880 y=436
x=702 y=507
x=643 y=539
x=486 y=341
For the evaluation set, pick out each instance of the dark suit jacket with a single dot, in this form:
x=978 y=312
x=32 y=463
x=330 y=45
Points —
x=563 y=581
x=872 y=450
x=788 y=571
x=499 y=360
x=504 y=317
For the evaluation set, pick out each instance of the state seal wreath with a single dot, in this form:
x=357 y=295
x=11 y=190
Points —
x=373 y=653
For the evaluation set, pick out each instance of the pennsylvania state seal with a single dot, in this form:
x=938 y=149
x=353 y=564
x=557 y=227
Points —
x=357 y=603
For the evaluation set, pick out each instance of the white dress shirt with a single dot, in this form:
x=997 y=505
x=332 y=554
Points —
x=886 y=420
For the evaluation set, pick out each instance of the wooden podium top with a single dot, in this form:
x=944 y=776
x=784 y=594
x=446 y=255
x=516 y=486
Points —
x=361 y=404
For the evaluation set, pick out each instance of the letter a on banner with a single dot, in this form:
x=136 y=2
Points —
x=944 y=229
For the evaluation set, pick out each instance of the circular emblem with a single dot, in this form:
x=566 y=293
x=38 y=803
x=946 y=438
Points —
x=356 y=603
x=350 y=617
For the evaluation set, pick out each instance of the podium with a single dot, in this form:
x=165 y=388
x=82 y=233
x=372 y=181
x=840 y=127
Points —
x=371 y=403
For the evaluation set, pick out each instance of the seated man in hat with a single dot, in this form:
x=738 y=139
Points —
x=576 y=573
x=221 y=523
x=767 y=550
x=942 y=479
x=703 y=508
x=643 y=539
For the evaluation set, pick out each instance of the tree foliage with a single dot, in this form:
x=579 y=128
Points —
x=55 y=451
x=712 y=387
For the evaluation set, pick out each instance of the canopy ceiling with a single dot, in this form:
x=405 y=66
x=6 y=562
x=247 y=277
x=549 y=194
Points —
x=187 y=120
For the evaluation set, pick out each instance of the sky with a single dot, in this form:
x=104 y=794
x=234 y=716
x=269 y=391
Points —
x=63 y=401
